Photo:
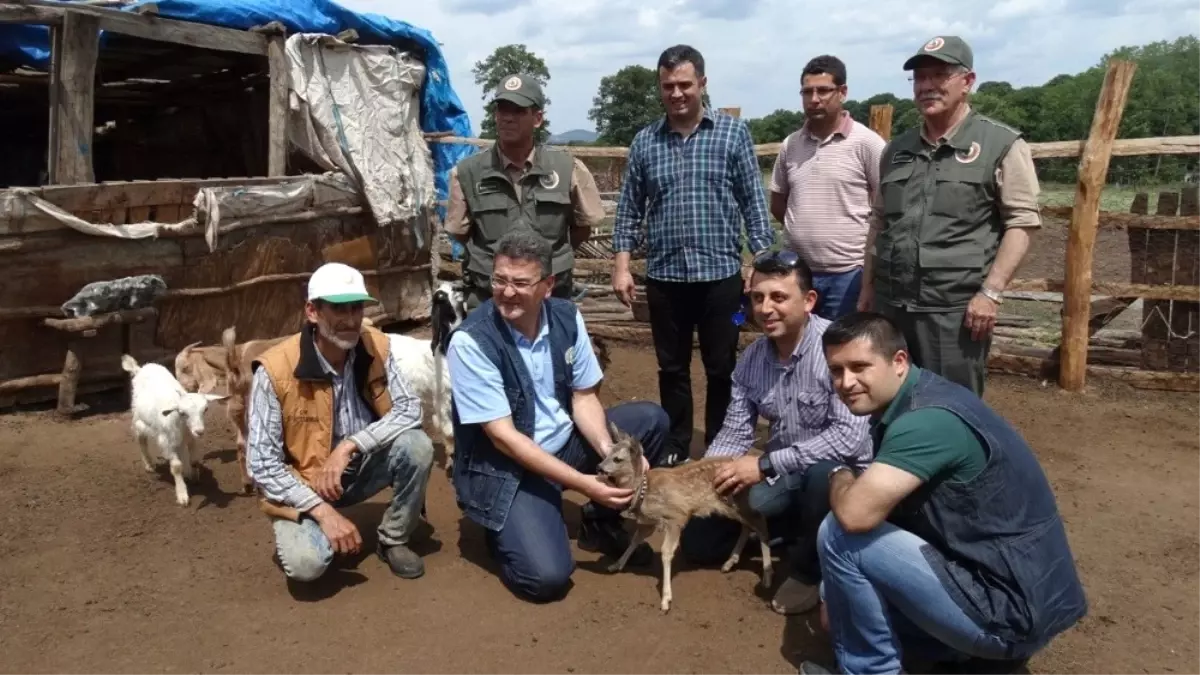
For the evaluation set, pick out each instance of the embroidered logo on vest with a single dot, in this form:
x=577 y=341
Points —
x=549 y=181
x=971 y=155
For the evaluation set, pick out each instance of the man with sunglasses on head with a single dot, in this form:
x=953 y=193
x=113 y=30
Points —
x=957 y=205
x=822 y=184
x=783 y=378
x=528 y=424
x=515 y=184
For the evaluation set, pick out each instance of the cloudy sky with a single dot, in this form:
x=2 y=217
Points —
x=755 y=48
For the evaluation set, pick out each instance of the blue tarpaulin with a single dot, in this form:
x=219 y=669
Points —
x=441 y=109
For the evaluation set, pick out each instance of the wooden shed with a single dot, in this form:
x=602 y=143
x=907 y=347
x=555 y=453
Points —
x=166 y=151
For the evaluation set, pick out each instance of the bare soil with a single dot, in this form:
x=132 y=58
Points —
x=101 y=571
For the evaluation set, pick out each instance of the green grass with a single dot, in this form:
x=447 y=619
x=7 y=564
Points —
x=1116 y=198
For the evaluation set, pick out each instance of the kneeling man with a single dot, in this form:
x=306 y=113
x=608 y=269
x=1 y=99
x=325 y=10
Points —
x=949 y=546
x=331 y=422
x=528 y=424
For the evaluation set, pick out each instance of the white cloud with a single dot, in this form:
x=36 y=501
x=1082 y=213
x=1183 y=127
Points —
x=755 y=49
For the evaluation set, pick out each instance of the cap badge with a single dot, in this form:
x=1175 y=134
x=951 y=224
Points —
x=512 y=84
x=934 y=44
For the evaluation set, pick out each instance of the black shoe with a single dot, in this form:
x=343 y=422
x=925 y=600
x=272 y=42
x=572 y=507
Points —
x=402 y=560
x=607 y=536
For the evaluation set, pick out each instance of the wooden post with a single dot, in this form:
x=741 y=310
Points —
x=1085 y=216
x=72 y=87
x=734 y=111
x=881 y=120
x=70 y=377
x=277 y=151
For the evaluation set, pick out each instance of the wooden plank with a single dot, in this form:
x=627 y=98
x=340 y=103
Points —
x=735 y=111
x=153 y=27
x=881 y=120
x=1081 y=238
x=74 y=80
x=1122 y=221
x=46 y=16
x=86 y=323
x=1112 y=288
x=277 y=147
x=56 y=35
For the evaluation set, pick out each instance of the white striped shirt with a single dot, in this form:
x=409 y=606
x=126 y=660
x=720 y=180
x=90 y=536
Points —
x=808 y=422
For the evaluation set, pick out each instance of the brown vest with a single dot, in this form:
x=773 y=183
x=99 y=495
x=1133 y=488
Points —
x=305 y=394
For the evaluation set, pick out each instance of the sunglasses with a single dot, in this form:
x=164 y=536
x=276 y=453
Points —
x=775 y=262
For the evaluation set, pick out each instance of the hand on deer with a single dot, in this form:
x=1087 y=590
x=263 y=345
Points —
x=737 y=475
x=329 y=480
x=606 y=495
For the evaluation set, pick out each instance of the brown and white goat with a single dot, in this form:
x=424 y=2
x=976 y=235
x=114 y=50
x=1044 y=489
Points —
x=667 y=498
x=238 y=377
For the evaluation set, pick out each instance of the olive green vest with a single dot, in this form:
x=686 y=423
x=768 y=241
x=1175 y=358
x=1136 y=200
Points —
x=494 y=208
x=942 y=223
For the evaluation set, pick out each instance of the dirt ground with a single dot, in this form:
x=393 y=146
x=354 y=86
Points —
x=101 y=571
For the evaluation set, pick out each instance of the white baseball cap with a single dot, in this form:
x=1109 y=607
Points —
x=338 y=283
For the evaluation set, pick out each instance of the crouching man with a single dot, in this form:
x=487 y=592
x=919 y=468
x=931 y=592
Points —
x=949 y=547
x=331 y=423
x=528 y=424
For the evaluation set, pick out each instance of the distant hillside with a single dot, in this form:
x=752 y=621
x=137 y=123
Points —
x=573 y=136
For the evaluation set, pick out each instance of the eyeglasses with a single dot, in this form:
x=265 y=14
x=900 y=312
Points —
x=500 y=283
x=776 y=262
x=821 y=92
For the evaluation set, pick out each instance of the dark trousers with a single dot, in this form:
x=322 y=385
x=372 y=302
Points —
x=678 y=310
x=477 y=287
x=940 y=342
x=794 y=508
x=837 y=294
x=532 y=548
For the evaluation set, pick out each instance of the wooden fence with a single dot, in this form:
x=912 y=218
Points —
x=1171 y=291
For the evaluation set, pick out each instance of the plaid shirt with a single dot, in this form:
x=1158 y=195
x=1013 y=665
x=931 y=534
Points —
x=808 y=422
x=693 y=194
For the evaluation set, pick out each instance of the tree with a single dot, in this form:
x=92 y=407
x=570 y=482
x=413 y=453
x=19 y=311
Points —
x=509 y=60
x=776 y=126
x=627 y=101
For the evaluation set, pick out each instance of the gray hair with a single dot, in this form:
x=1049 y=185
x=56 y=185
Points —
x=526 y=245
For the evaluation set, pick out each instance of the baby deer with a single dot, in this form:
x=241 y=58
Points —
x=667 y=498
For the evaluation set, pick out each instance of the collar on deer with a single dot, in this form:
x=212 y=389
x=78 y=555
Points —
x=637 y=496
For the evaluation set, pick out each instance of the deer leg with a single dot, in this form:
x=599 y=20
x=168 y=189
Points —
x=670 y=543
x=760 y=528
x=639 y=535
x=736 y=554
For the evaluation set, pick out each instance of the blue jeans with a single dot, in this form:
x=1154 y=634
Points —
x=532 y=549
x=794 y=508
x=837 y=294
x=883 y=599
x=304 y=551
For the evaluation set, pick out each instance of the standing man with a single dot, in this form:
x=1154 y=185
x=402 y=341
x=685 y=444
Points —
x=822 y=185
x=950 y=545
x=694 y=180
x=516 y=184
x=958 y=199
x=331 y=423
x=782 y=378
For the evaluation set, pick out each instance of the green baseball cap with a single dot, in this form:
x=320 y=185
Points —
x=522 y=90
x=945 y=48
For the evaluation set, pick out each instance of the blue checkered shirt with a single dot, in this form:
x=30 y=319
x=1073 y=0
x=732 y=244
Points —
x=693 y=195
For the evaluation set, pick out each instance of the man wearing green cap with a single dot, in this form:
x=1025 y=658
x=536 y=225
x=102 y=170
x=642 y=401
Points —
x=517 y=184
x=951 y=221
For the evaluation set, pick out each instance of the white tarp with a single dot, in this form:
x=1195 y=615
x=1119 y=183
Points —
x=356 y=109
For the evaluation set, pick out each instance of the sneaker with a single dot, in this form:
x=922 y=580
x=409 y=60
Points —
x=403 y=562
x=607 y=536
x=795 y=597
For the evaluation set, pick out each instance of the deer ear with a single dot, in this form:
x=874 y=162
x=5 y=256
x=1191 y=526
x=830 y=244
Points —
x=616 y=433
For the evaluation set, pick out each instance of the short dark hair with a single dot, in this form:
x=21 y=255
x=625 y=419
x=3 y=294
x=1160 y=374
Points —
x=525 y=244
x=827 y=65
x=673 y=57
x=883 y=334
x=785 y=262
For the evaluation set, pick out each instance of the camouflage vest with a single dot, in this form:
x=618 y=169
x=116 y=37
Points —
x=942 y=222
x=544 y=205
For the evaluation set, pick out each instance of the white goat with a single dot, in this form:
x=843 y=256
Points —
x=424 y=362
x=161 y=408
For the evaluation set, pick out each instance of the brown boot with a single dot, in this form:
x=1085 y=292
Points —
x=795 y=597
x=402 y=560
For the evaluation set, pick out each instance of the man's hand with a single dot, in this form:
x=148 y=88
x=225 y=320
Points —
x=604 y=494
x=329 y=481
x=980 y=316
x=341 y=533
x=737 y=475
x=866 y=296
x=623 y=286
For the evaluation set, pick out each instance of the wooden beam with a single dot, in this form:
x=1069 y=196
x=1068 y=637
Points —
x=1117 y=220
x=881 y=120
x=74 y=82
x=1114 y=289
x=46 y=16
x=734 y=111
x=277 y=148
x=151 y=27
x=1081 y=238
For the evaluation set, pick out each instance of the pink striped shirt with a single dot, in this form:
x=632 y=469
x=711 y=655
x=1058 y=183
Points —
x=828 y=184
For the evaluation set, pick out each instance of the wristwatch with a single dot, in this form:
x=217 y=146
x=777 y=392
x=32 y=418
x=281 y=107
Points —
x=765 y=466
x=994 y=296
x=836 y=469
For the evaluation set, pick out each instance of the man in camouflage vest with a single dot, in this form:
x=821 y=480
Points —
x=518 y=184
x=952 y=220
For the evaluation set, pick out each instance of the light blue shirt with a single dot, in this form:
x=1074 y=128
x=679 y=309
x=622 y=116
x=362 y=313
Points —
x=478 y=387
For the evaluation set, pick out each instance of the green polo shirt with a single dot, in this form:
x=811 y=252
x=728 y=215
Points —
x=933 y=444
